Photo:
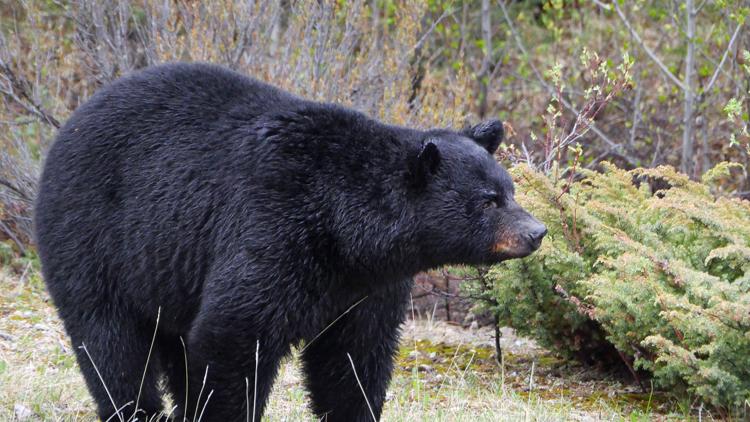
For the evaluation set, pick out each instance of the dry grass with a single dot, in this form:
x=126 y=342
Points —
x=444 y=373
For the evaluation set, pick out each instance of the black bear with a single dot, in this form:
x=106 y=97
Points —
x=190 y=217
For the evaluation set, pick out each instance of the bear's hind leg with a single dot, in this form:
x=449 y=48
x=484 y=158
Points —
x=112 y=348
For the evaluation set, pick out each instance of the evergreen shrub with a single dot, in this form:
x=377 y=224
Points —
x=643 y=268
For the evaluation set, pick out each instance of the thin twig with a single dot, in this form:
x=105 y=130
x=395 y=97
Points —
x=118 y=411
x=723 y=58
x=331 y=324
x=640 y=42
x=104 y=384
x=445 y=14
x=632 y=370
x=200 y=393
x=354 y=369
x=148 y=358
x=255 y=386
x=13 y=237
x=17 y=91
x=185 y=406
x=208 y=397
x=613 y=145
x=15 y=189
x=636 y=114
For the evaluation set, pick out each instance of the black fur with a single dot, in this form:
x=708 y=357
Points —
x=488 y=134
x=247 y=216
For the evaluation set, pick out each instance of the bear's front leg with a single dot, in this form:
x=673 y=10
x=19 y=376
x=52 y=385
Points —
x=369 y=334
x=222 y=364
x=230 y=330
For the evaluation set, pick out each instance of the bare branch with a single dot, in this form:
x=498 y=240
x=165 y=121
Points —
x=446 y=13
x=643 y=45
x=723 y=58
x=16 y=89
x=7 y=230
x=700 y=6
x=15 y=189
x=636 y=114
x=613 y=145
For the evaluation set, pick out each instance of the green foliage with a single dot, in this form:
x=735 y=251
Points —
x=644 y=260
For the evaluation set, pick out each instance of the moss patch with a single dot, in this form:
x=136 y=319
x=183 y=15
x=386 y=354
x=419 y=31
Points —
x=553 y=378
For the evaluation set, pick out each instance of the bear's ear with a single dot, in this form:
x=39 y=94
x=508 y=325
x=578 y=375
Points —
x=489 y=134
x=425 y=163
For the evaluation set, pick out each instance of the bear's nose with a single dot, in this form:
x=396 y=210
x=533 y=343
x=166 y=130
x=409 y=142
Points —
x=537 y=233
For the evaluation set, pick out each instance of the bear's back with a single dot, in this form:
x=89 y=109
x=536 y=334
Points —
x=141 y=171
x=170 y=106
x=153 y=124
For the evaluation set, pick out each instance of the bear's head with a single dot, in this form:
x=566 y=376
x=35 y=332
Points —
x=465 y=199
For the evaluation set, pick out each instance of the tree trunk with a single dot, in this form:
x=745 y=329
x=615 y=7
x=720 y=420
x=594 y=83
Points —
x=378 y=35
x=484 y=73
x=687 y=164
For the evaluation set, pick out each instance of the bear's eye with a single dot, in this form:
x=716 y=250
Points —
x=491 y=204
x=491 y=200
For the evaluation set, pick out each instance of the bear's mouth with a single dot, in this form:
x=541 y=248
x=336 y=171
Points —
x=515 y=247
x=505 y=245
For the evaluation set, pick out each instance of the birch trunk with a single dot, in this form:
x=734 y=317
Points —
x=687 y=165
